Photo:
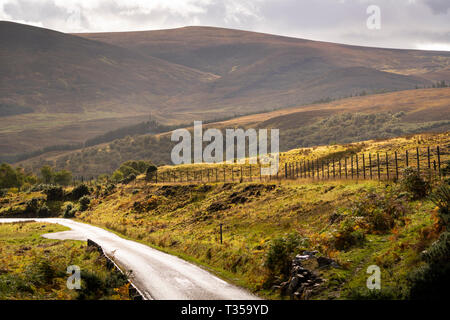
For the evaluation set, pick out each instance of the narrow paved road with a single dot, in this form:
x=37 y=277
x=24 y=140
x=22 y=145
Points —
x=156 y=275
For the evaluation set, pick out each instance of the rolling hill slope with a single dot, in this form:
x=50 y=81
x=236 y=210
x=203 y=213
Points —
x=219 y=50
x=349 y=120
x=258 y=70
x=62 y=89
x=56 y=72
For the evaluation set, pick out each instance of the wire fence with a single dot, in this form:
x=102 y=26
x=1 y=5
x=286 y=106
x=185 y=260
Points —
x=428 y=161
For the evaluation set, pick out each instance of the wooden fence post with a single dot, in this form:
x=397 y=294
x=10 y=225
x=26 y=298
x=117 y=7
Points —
x=378 y=164
x=309 y=169
x=328 y=169
x=364 y=166
x=318 y=169
x=387 y=166
x=323 y=170
x=242 y=177
x=429 y=162
x=285 y=170
x=303 y=169
x=407 y=159
x=370 y=166
x=300 y=169
x=396 y=166
x=357 y=167
x=334 y=170
x=418 y=162
x=439 y=161
x=340 y=169
x=306 y=169
x=351 y=165
x=221 y=234
x=312 y=169
x=345 y=165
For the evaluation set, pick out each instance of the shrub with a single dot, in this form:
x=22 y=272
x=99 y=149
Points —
x=47 y=174
x=79 y=191
x=381 y=221
x=62 y=178
x=41 y=272
x=94 y=287
x=381 y=211
x=84 y=203
x=281 y=252
x=441 y=198
x=109 y=189
x=413 y=183
x=69 y=211
x=32 y=206
x=3 y=192
x=40 y=187
x=348 y=234
x=9 y=177
x=131 y=177
x=126 y=170
x=54 y=193
x=446 y=168
x=117 y=176
x=43 y=211
x=433 y=280
x=150 y=172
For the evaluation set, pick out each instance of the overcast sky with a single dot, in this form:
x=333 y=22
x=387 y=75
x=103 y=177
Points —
x=422 y=24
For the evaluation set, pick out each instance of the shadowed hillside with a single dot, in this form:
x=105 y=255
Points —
x=277 y=71
x=55 y=72
x=344 y=121
x=59 y=89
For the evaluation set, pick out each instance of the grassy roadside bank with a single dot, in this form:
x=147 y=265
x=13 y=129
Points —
x=355 y=223
x=184 y=220
x=35 y=268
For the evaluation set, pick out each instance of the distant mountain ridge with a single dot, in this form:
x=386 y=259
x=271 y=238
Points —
x=79 y=86
x=281 y=71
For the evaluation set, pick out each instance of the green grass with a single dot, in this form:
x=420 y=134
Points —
x=180 y=220
x=34 y=268
x=183 y=220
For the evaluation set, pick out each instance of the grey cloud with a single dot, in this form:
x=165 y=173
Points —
x=438 y=6
x=404 y=23
x=35 y=12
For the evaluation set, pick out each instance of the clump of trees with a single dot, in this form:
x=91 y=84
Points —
x=20 y=178
x=440 y=84
x=49 y=176
x=129 y=170
x=15 y=177
x=351 y=127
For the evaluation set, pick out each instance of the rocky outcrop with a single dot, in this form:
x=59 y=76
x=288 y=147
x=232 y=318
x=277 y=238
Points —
x=304 y=279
